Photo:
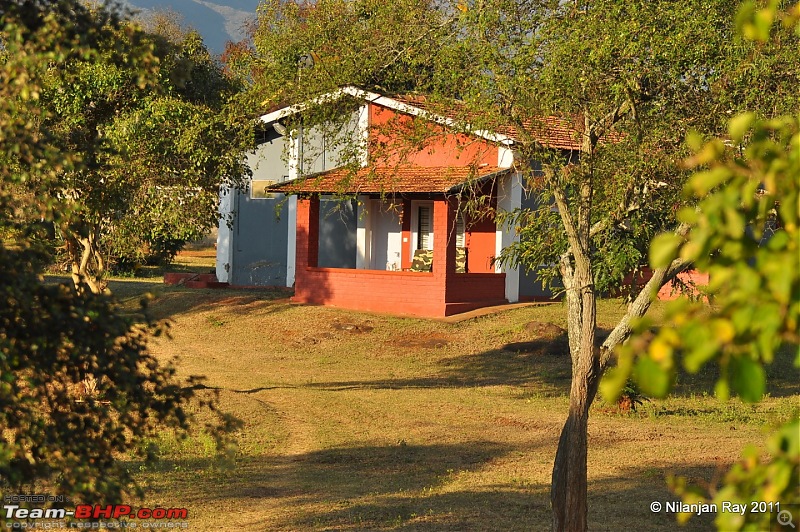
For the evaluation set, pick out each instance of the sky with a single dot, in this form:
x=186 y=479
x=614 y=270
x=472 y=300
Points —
x=217 y=21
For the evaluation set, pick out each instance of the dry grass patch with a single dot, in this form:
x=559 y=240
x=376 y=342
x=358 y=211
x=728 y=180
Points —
x=361 y=421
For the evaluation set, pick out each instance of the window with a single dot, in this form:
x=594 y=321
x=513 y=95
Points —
x=424 y=228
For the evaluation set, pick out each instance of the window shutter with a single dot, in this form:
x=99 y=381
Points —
x=424 y=230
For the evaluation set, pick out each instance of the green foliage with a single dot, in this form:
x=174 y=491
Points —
x=56 y=436
x=77 y=386
x=646 y=76
x=756 y=479
x=302 y=50
x=186 y=68
x=146 y=118
x=181 y=151
x=745 y=232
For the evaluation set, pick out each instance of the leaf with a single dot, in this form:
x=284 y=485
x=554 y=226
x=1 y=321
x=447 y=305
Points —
x=664 y=249
x=729 y=520
x=754 y=24
x=660 y=350
x=702 y=183
x=722 y=390
x=734 y=222
x=694 y=140
x=739 y=125
x=613 y=382
x=702 y=353
x=653 y=380
x=748 y=379
x=723 y=330
x=710 y=152
x=787 y=440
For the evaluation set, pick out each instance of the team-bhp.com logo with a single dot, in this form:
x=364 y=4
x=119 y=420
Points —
x=88 y=511
x=95 y=511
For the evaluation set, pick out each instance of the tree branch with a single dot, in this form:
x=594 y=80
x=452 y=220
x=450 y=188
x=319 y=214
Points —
x=566 y=216
x=642 y=303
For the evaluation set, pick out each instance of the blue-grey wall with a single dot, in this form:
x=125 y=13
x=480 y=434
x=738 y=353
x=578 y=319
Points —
x=260 y=225
x=269 y=159
x=529 y=284
x=260 y=238
x=337 y=233
x=329 y=145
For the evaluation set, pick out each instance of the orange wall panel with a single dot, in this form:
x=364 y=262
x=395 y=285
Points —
x=388 y=128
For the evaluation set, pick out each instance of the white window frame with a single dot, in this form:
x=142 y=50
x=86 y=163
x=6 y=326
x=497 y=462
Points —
x=415 y=205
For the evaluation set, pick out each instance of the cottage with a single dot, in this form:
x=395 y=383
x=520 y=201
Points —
x=401 y=240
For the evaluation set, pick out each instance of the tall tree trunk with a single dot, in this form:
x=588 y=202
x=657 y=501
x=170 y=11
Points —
x=568 y=491
x=569 y=488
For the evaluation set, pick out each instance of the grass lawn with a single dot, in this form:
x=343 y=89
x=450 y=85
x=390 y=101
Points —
x=362 y=421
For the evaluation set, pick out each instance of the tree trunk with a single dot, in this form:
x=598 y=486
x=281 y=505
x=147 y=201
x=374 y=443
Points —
x=569 y=488
x=88 y=266
x=568 y=491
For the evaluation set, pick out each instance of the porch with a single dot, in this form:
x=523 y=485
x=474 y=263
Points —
x=388 y=233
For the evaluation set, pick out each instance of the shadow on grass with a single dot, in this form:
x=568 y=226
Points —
x=783 y=378
x=179 y=300
x=502 y=507
x=423 y=487
x=172 y=301
x=340 y=473
x=545 y=366
x=497 y=367
x=540 y=363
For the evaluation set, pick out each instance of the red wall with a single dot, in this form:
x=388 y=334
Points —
x=442 y=149
x=436 y=294
x=671 y=291
x=410 y=293
x=480 y=236
x=481 y=241
x=468 y=291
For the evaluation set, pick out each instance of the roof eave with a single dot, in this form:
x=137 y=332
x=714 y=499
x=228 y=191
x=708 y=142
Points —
x=482 y=179
x=384 y=101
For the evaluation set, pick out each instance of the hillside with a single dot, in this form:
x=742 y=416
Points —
x=218 y=22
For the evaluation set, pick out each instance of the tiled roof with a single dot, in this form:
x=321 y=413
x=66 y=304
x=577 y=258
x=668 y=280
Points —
x=387 y=180
x=550 y=132
x=556 y=132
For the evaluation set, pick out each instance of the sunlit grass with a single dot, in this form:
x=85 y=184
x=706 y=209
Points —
x=419 y=424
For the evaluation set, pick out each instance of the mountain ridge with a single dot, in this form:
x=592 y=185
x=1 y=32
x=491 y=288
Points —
x=217 y=21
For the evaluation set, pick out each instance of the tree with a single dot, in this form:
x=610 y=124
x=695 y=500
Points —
x=58 y=436
x=745 y=233
x=303 y=49
x=156 y=142
x=632 y=78
x=638 y=76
